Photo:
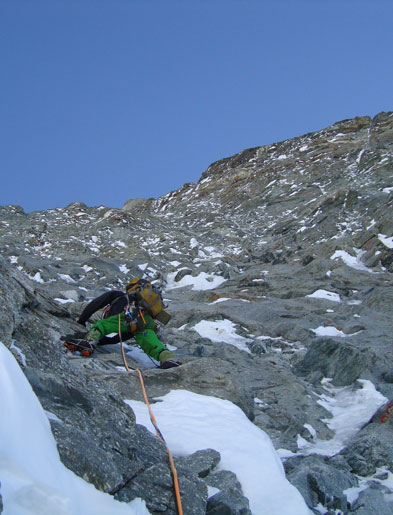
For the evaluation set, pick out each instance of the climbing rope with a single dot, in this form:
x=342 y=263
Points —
x=155 y=425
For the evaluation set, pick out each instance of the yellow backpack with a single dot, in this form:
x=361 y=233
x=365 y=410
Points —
x=149 y=298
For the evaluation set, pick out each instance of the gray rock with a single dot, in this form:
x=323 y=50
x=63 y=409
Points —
x=372 y=445
x=228 y=502
x=320 y=482
x=179 y=276
x=376 y=499
x=223 y=480
x=343 y=362
x=137 y=205
x=359 y=464
x=80 y=453
x=201 y=463
x=155 y=486
x=230 y=498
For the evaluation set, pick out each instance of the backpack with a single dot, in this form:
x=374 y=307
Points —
x=149 y=298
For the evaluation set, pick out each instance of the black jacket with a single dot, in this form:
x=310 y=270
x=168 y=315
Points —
x=115 y=298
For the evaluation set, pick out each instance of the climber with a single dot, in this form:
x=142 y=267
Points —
x=129 y=314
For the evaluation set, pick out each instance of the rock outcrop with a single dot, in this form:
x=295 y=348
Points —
x=293 y=245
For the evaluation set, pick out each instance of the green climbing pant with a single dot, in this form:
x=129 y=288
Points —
x=145 y=334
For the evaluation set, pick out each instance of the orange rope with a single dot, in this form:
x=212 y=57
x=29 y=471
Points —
x=154 y=422
x=122 y=348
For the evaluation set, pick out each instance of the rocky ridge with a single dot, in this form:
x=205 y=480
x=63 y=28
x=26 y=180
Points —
x=293 y=243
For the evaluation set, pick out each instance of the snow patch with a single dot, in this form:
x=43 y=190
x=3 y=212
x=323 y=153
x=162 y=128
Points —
x=63 y=301
x=327 y=295
x=222 y=299
x=67 y=278
x=37 y=278
x=352 y=261
x=350 y=409
x=175 y=263
x=223 y=331
x=329 y=331
x=203 y=281
x=386 y=240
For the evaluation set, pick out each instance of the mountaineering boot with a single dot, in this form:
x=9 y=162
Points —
x=167 y=359
x=170 y=363
x=82 y=347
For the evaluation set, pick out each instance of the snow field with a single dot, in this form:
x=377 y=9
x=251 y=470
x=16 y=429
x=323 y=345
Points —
x=191 y=422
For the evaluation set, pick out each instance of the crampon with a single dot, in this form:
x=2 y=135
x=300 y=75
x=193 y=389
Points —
x=79 y=347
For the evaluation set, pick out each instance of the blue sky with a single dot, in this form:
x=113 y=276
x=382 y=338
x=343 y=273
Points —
x=106 y=100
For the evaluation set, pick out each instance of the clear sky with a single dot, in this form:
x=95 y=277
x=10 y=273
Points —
x=106 y=100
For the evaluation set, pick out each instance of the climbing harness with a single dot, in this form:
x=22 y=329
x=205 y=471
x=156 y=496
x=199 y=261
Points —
x=154 y=422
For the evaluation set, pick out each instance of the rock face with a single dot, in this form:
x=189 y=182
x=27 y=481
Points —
x=293 y=243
